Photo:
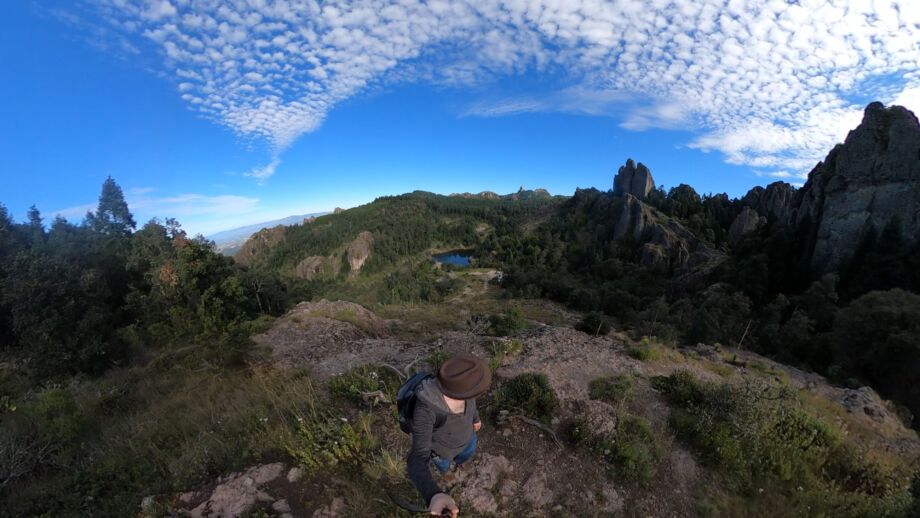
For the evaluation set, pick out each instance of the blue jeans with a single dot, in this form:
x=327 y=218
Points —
x=443 y=465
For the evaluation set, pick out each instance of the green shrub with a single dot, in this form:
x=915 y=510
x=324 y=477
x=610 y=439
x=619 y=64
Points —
x=529 y=394
x=646 y=350
x=356 y=382
x=631 y=451
x=436 y=359
x=757 y=433
x=612 y=389
x=330 y=441
x=594 y=323
x=508 y=323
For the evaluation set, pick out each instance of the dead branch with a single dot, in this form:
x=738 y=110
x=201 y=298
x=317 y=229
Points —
x=538 y=424
x=394 y=369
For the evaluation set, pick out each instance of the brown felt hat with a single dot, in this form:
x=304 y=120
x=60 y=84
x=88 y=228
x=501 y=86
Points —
x=464 y=376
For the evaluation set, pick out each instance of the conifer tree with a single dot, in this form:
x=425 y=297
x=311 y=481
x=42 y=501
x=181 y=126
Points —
x=112 y=215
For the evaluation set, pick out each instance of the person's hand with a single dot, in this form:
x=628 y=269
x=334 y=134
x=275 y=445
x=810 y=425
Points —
x=477 y=426
x=443 y=502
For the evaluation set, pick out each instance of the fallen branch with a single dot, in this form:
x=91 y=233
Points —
x=394 y=369
x=538 y=424
x=411 y=364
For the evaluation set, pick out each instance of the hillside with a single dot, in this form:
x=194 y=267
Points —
x=655 y=353
x=614 y=434
x=229 y=242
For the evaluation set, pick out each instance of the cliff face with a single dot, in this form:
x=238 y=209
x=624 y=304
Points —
x=868 y=181
x=862 y=185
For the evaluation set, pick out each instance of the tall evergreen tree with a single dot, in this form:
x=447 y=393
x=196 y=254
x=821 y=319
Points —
x=112 y=215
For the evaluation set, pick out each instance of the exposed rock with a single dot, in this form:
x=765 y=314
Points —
x=295 y=474
x=599 y=417
x=746 y=222
x=281 y=506
x=335 y=509
x=237 y=493
x=359 y=251
x=338 y=210
x=536 y=492
x=776 y=202
x=613 y=501
x=326 y=336
x=633 y=179
x=258 y=244
x=865 y=400
x=312 y=267
x=664 y=241
x=862 y=185
x=490 y=480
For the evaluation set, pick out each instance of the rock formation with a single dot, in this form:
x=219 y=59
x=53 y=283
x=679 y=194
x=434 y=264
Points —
x=664 y=241
x=258 y=244
x=312 y=267
x=633 y=179
x=862 y=185
x=748 y=221
x=359 y=251
x=776 y=202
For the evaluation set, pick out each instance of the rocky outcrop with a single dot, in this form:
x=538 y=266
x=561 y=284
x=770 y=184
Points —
x=868 y=181
x=776 y=202
x=237 y=493
x=258 y=244
x=316 y=266
x=663 y=240
x=359 y=251
x=633 y=179
x=746 y=222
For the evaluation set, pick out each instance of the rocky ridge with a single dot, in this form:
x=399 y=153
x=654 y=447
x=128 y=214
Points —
x=867 y=182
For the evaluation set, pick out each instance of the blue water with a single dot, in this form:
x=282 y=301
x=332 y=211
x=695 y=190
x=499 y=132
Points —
x=455 y=258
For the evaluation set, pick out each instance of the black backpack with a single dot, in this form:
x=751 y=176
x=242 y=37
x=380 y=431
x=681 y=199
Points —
x=405 y=402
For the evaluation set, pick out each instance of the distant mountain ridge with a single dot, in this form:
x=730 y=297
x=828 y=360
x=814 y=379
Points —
x=229 y=241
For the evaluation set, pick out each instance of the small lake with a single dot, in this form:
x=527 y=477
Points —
x=455 y=258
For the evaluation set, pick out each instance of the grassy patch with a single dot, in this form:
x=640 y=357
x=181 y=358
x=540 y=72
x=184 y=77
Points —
x=100 y=446
x=508 y=323
x=612 y=389
x=631 y=452
x=647 y=350
x=500 y=350
x=757 y=436
x=437 y=358
x=529 y=394
x=358 y=383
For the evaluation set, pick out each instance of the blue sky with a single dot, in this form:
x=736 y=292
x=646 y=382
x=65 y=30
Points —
x=227 y=113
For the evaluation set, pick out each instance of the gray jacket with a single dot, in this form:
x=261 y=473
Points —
x=446 y=441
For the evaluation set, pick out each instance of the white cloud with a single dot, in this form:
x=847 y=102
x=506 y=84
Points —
x=262 y=173
x=766 y=82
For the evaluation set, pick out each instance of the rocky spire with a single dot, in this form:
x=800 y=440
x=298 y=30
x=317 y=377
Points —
x=633 y=179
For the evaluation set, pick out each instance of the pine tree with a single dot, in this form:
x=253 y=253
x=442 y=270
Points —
x=112 y=215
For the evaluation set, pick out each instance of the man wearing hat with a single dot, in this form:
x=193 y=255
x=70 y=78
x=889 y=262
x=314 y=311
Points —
x=444 y=425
